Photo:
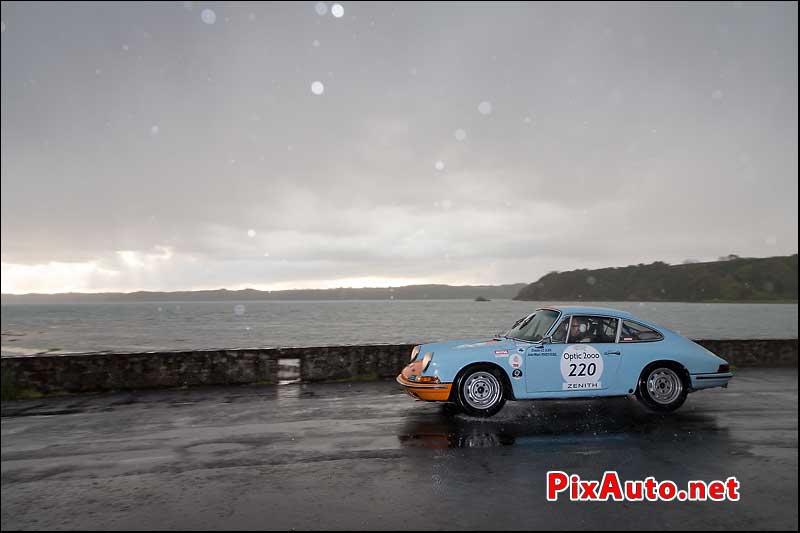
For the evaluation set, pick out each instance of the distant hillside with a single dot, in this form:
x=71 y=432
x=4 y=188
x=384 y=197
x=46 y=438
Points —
x=734 y=279
x=410 y=292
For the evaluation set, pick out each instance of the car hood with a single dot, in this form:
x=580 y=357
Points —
x=469 y=345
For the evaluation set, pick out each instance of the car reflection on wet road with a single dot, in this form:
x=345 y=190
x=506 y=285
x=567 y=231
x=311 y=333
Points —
x=553 y=423
x=360 y=455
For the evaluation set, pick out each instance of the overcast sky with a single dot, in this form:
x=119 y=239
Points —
x=194 y=145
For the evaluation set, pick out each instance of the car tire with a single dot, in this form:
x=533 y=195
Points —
x=481 y=391
x=662 y=387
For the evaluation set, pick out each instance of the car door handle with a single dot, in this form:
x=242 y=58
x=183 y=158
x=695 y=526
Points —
x=612 y=353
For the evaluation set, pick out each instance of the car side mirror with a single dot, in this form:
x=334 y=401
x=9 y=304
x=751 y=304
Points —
x=546 y=340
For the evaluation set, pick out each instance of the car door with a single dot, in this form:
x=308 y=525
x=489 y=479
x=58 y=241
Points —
x=587 y=361
x=591 y=358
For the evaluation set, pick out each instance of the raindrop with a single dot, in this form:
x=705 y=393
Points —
x=126 y=47
x=460 y=134
x=251 y=17
x=591 y=280
x=315 y=44
x=251 y=233
x=2 y=27
x=439 y=165
x=208 y=16
x=154 y=130
x=337 y=11
x=317 y=88
x=321 y=8
x=717 y=95
x=239 y=309
x=527 y=120
x=485 y=108
x=266 y=254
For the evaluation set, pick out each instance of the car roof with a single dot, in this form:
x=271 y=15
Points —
x=582 y=310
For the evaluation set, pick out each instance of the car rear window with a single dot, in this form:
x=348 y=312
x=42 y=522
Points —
x=635 y=332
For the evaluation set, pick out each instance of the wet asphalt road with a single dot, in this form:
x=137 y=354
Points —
x=341 y=456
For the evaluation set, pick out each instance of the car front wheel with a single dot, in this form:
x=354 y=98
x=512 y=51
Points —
x=661 y=388
x=481 y=392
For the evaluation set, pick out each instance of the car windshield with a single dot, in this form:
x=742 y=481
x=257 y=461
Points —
x=534 y=327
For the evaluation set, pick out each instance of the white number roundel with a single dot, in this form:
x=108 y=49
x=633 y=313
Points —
x=581 y=367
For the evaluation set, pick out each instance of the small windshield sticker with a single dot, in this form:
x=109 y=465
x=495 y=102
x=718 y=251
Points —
x=501 y=353
x=517 y=373
x=515 y=361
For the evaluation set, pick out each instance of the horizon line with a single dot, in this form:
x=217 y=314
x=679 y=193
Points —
x=139 y=291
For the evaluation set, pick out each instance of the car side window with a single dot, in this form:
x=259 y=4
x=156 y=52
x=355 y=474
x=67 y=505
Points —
x=559 y=336
x=593 y=329
x=635 y=332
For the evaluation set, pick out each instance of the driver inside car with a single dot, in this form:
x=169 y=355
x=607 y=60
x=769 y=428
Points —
x=579 y=330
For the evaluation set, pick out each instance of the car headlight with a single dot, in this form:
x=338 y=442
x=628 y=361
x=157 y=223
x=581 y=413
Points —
x=414 y=353
x=427 y=360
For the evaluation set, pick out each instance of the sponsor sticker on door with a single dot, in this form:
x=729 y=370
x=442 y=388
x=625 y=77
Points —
x=581 y=368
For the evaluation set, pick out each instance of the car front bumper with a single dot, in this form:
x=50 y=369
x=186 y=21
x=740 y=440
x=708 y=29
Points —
x=431 y=392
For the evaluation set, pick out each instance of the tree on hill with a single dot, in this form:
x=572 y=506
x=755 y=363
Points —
x=731 y=279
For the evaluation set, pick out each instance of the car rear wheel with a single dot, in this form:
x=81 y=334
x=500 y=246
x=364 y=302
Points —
x=481 y=392
x=662 y=388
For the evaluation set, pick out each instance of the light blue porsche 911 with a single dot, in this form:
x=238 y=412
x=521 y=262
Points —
x=565 y=352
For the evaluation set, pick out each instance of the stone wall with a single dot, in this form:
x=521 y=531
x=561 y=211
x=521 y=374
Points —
x=756 y=352
x=98 y=372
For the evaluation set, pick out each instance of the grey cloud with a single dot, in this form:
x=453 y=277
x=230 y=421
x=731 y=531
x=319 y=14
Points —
x=619 y=133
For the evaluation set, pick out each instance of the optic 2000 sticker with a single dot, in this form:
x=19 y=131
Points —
x=581 y=368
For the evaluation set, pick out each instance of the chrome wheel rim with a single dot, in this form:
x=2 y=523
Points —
x=482 y=390
x=664 y=385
